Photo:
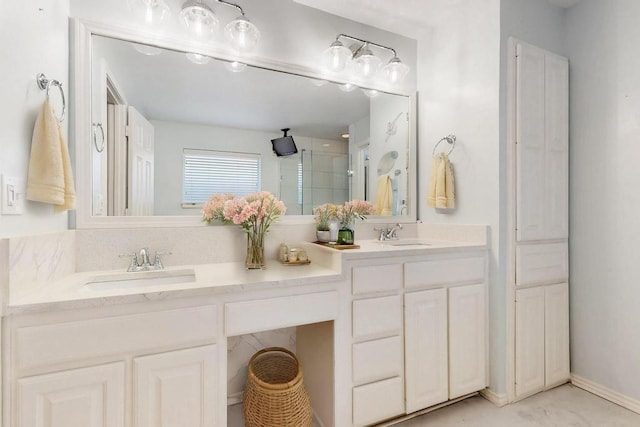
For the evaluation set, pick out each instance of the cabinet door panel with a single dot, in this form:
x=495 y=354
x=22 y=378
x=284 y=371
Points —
x=378 y=401
x=530 y=149
x=529 y=341
x=377 y=317
x=557 y=147
x=377 y=360
x=176 y=389
x=426 y=381
x=556 y=334
x=87 y=397
x=467 y=340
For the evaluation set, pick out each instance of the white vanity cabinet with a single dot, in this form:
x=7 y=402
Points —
x=139 y=365
x=418 y=333
x=445 y=329
x=176 y=388
x=377 y=348
x=86 y=397
x=542 y=344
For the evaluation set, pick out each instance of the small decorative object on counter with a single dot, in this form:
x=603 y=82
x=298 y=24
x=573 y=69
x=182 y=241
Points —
x=302 y=255
x=284 y=252
x=323 y=216
x=275 y=394
x=293 y=255
x=347 y=214
x=254 y=213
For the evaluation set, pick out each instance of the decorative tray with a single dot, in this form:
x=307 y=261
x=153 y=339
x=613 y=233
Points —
x=336 y=246
x=305 y=262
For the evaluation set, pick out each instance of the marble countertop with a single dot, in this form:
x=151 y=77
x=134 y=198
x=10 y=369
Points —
x=73 y=291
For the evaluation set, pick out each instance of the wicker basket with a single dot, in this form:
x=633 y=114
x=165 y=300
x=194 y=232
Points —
x=275 y=395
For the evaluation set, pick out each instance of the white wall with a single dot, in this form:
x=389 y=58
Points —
x=458 y=94
x=602 y=41
x=291 y=32
x=33 y=39
x=541 y=24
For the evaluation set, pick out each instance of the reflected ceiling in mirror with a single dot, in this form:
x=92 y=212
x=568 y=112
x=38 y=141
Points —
x=162 y=102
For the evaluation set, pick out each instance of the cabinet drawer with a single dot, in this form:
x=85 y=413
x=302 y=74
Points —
x=377 y=317
x=50 y=345
x=542 y=263
x=377 y=401
x=377 y=360
x=440 y=271
x=248 y=317
x=377 y=278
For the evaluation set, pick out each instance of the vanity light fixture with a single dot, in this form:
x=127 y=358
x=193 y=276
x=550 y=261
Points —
x=371 y=93
x=235 y=66
x=152 y=12
x=348 y=87
x=145 y=49
x=201 y=22
x=199 y=19
x=197 y=58
x=367 y=65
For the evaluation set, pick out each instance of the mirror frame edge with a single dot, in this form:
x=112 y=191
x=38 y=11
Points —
x=80 y=126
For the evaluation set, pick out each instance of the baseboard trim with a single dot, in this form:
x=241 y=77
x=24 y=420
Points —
x=235 y=398
x=499 y=400
x=606 y=393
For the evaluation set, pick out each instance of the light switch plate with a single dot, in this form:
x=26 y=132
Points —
x=13 y=195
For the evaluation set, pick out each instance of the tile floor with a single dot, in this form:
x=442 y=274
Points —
x=565 y=406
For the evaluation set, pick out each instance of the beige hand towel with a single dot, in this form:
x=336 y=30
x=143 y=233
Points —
x=442 y=185
x=384 y=193
x=50 y=175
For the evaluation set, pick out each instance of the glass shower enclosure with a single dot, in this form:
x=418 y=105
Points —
x=311 y=178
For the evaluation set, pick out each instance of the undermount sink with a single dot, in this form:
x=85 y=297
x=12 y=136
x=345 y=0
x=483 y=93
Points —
x=403 y=243
x=142 y=278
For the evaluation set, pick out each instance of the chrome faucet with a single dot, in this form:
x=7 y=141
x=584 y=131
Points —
x=388 y=233
x=392 y=233
x=144 y=264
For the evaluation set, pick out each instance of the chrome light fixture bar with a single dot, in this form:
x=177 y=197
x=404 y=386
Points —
x=201 y=22
x=337 y=57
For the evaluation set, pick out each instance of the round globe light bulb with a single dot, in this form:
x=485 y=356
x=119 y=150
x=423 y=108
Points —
x=395 y=70
x=197 y=58
x=235 y=66
x=152 y=12
x=242 y=34
x=336 y=57
x=199 y=19
x=145 y=49
x=367 y=64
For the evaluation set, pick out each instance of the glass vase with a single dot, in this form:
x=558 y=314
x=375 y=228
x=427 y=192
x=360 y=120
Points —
x=255 y=251
x=345 y=236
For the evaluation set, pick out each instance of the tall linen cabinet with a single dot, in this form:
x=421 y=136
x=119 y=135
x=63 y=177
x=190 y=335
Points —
x=538 y=220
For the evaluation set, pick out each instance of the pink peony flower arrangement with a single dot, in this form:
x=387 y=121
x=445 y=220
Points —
x=353 y=209
x=254 y=213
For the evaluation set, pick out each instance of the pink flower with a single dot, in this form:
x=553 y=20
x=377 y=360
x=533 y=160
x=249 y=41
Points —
x=254 y=212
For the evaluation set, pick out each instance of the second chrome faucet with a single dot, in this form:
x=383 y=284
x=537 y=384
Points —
x=144 y=264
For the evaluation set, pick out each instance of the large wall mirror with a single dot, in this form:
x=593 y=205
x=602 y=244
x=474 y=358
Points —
x=159 y=130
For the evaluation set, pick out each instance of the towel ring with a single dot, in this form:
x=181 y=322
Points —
x=45 y=84
x=100 y=148
x=451 y=139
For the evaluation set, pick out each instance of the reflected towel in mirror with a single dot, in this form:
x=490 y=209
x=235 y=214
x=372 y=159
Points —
x=384 y=194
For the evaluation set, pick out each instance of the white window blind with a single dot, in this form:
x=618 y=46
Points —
x=207 y=172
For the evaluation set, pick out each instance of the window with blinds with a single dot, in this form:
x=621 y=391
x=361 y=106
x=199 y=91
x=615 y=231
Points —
x=207 y=172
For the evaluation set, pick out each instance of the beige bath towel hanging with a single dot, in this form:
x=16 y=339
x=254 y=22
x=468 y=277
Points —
x=441 y=185
x=384 y=195
x=50 y=175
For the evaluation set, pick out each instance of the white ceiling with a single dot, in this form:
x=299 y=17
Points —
x=563 y=3
x=169 y=87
